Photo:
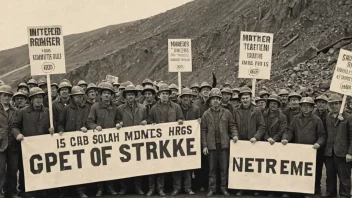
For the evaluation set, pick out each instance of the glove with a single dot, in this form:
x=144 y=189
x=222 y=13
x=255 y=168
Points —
x=348 y=158
x=84 y=129
x=271 y=141
x=180 y=122
x=284 y=142
x=316 y=146
x=205 y=151
x=61 y=133
x=98 y=128
x=235 y=139
x=253 y=140
x=199 y=120
x=20 y=137
x=51 y=131
x=118 y=126
x=143 y=123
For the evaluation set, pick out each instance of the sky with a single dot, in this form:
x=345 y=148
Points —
x=75 y=16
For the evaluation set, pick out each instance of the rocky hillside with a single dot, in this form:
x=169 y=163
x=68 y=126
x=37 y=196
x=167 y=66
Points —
x=307 y=37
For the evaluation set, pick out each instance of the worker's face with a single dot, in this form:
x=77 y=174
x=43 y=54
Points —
x=37 y=100
x=5 y=98
x=130 y=97
x=226 y=97
x=235 y=102
x=246 y=100
x=78 y=99
x=44 y=88
x=92 y=94
x=261 y=104
x=205 y=91
x=306 y=108
x=186 y=99
x=335 y=106
x=32 y=85
x=148 y=96
x=20 y=101
x=227 y=86
x=173 y=92
x=273 y=106
x=215 y=102
x=322 y=105
x=294 y=102
x=265 y=96
x=164 y=96
x=53 y=91
x=23 y=90
x=284 y=98
x=106 y=95
x=195 y=90
x=64 y=92
x=84 y=87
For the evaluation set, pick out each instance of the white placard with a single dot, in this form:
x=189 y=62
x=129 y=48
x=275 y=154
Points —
x=255 y=55
x=46 y=50
x=112 y=79
x=342 y=79
x=180 y=55
x=266 y=167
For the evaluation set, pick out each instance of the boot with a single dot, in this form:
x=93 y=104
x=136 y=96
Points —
x=139 y=191
x=82 y=195
x=175 y=193
x=111 y=191
x=99 y=193
x=161 y=193
x=240 y=193
x=150 y=193
x=210 y=193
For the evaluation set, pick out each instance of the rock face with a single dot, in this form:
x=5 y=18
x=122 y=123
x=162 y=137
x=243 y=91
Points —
x=307 y=37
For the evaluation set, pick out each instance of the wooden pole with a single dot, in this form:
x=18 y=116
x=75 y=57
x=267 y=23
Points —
x=179 y=83
x=253 y=87
x=50 y=101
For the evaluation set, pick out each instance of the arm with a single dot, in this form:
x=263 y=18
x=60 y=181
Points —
x=91 y=121
x=204 y=132
x=321 y=133
x=16 y=125
x=288 y=134
x=261 y=125
x=235 y=129
x=150 y=117
x=232 y=126
x=179 y=113
x=282 y=128
x=62 y=121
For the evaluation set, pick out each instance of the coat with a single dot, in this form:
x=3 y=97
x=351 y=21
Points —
x=289 y=113
x=28 y=124
x=322 y=116
x=58 y=107
x=149 y=106
x=310 y=132
x=256 y=124
x=202 y=104
x=73 y=118
x=130 y=118
x=339 y=135
x=278 y=125
x=174 y=113
x=227 y=129
x=102 y=115
x=193 y=112
x=6 y=118
x=229 y=107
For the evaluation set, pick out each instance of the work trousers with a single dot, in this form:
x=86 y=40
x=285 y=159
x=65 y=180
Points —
x=337 y=166
x=218 y=157
x=177 y=180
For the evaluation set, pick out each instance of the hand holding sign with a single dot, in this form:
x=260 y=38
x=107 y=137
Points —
x=316 y=146
x=235 y=139
x=84 y=129
x=20 y=137
x=348 y=158
x=205 y=151
x=271 y=141
x=284 y=142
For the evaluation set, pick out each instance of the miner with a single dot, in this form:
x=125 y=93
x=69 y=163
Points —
x=225 y=101
x=283 y=93
x=103 y=115
x=82 y=84
x=294 y=108
x=162 y=112
x=91 y=93
x=59 y=104
x=217 y=126
x=129 y=114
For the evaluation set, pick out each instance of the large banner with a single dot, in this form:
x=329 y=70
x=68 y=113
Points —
x=266 y=167
x=342 y=79
x=255 y=55
x=46 y=50
x=78 y=158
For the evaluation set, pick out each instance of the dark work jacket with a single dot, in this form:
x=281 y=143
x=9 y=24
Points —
x=130 y=118
x=28 y=124
x=149 y=106
x=6 y=118
x=289 y=113
x=58 y=107
x=89 y=103
x=310 y=132
x=322 y=116
x=202 y=104
x=102 y=115
x=192 y=113
x=174 y=113
x=229 y=107
x=256 y=124
x=278 y=125
x=339 y=135
x=73 y=118
x=227 y=129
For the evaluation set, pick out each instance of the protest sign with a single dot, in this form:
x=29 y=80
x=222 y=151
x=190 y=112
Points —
x=112 y=79
x=46 y=50
x=342 y=79
x=78 y=158
x=180 y=55
x=255 y=55
x=261 y=166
